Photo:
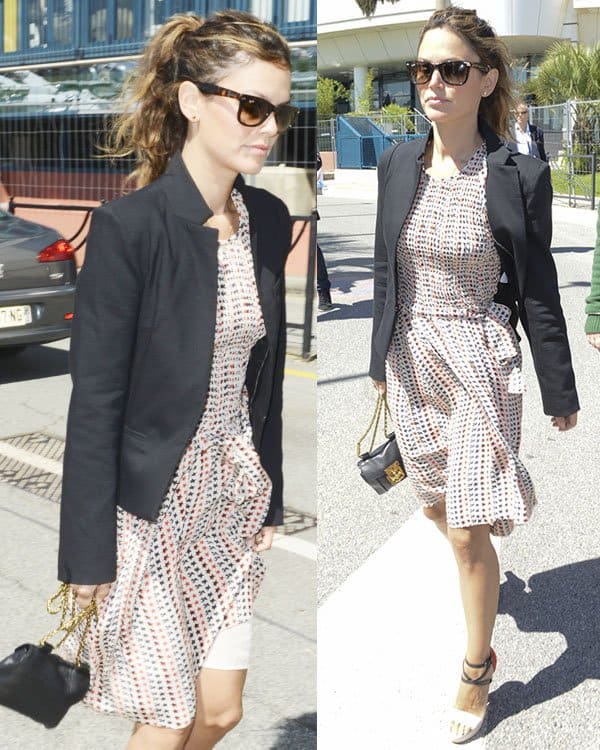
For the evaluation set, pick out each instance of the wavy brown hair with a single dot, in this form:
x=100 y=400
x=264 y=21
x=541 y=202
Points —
x=496 y=108
x=186 y=47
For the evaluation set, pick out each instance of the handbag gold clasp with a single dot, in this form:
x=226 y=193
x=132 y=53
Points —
x=394 y=472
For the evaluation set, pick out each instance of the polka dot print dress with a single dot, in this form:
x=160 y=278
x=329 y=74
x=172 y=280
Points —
x=454 y=367
x=184 y=578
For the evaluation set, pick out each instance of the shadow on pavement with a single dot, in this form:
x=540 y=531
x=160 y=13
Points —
x=363 y=309
x=289 y=731
x=572 y=249
x=33 y=363
x=564 y=600
x=583 y=284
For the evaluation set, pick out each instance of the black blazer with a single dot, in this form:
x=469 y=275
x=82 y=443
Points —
x=141 y=353
x=537 y=136
x=519 y=205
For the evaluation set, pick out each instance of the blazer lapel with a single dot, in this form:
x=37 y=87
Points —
x=503 y=194
x=400 y=188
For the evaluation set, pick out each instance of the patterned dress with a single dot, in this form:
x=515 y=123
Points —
x=183 y=579
x=454 y=367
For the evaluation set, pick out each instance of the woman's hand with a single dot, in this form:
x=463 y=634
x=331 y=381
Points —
x=379 y=386
x=594 y=340
x=564 y=423
x=84 y=594
x=263 y=540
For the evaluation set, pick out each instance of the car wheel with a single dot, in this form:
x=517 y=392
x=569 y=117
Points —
x=9 y=351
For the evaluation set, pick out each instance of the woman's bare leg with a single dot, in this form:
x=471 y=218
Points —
x=218 y=706
x=479 y=578
x=437 y=514
x=146 y=737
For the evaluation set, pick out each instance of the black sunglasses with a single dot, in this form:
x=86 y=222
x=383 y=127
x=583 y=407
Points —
x=253 y=110
x=453 y=72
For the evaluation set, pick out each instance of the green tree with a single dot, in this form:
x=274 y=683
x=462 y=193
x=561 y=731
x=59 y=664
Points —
x=568 y=72
x=329 y=92
x=365 y=97
x=402 y=120
x=572 y=72
x=368 y=7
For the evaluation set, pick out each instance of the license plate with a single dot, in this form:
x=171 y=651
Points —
x=12 y=317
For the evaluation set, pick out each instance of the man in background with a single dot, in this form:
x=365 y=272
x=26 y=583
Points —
x=529 y=138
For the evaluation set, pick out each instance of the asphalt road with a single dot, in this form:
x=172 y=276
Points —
x=391 y=634
x=280 y=698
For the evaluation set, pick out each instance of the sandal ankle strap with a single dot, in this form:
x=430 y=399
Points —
x=477 y=680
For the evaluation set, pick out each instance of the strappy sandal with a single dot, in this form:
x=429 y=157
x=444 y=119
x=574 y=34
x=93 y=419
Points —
x=472 y=721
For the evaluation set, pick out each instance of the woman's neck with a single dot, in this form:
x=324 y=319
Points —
x=214 y=183
x=451 y=143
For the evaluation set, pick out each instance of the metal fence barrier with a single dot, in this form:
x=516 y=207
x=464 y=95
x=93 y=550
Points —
x=571 y=138
x=310 y=223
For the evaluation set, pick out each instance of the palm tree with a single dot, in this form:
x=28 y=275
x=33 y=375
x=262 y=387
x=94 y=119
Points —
x=368 y=7
x=572 y=73
x=568 y=72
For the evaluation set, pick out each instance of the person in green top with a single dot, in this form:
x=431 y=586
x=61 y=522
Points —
x=592 y=308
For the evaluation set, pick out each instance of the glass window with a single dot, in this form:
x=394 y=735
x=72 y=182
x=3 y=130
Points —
x=125 y=9
x=158 y=14
x=98 y=26
x=183 y=6
x=298 y=11
x=62 y=22
x=37 y=23
x=262 y=9
x=395 y=89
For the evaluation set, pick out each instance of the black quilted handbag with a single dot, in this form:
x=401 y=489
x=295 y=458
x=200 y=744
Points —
x=381 y=467
x=42 y=685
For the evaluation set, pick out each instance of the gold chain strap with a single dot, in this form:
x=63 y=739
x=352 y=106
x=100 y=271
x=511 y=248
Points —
x=63 y=602
x=380 y=406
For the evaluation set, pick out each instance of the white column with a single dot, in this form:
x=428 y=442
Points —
x=360 y=78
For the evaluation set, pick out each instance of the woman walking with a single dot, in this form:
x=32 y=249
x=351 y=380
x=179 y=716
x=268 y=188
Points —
x=462 y=249
x=172 y=475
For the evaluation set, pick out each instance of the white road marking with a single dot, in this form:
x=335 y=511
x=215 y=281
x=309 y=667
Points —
x=391 y=641
x=288 y=543
x=297 y=546
x=33 y=459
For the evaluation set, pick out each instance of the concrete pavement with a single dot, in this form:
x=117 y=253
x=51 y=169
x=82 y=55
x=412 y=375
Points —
x=391 y=634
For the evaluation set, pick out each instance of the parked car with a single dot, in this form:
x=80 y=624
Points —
x=37 y=284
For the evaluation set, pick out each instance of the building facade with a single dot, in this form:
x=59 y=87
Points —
x=349 y=44
x=62 y=66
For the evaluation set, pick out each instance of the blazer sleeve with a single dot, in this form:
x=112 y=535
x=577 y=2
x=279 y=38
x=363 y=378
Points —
x=380 y=272
x=592 y=306
x=271 y=451
x=540 y=144
x=102 y=340
x=541 y=310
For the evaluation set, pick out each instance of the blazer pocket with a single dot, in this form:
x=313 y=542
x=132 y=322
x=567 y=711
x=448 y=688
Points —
x=134 y=433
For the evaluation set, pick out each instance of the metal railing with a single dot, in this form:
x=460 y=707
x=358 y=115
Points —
x=78 y=237
x=572 y=144
x=310 y=224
